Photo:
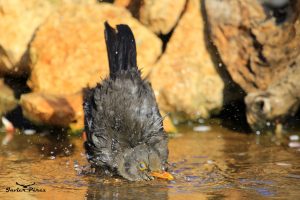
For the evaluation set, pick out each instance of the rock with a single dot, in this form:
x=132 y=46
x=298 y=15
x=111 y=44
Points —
x=19 y=20
x=63 y=111
x=122 y=3
x=7 y=98
x=45 y=109
x=256 y=41
x=160 y=16
x=69 y=52
x=184 y=79
x=259 y=43
x=266 y=109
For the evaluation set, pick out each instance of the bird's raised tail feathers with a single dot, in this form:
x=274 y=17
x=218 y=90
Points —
x=121 y=48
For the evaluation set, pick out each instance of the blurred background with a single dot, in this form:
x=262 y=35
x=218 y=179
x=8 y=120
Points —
x=211 y=63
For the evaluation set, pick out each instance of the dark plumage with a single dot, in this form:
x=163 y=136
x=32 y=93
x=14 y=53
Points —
x=125 y=134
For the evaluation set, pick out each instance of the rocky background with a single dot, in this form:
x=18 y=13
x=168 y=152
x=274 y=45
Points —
x=200 y=56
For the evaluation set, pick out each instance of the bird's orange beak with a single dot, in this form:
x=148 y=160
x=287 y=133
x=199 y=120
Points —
x=163 y=175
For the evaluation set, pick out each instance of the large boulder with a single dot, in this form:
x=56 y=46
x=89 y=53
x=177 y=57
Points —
x=258 y=41
x=68 y=51
x=55 y=110
x=185 y=80
x=59 y=110
x=19 y=20
x=160 y=16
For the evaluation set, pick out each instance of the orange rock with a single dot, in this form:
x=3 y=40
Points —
x=184 y=79
x=53 y=110
x=160 y=16
x=122 y=3
x=19 y=20
x=69 y=53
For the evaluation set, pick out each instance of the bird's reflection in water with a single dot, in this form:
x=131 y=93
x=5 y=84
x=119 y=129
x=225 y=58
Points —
x=127 y=190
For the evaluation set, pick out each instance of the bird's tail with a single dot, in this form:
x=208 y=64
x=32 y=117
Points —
x=121 y=48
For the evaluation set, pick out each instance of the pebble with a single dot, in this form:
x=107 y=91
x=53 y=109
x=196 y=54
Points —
x=202 y=128
x=294 y=137
x=283 y=164
x=294 y=144
x=29 y=131
x=52 y=157
x=201 y=121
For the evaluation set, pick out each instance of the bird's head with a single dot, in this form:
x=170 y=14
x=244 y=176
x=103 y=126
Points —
x=141 y=163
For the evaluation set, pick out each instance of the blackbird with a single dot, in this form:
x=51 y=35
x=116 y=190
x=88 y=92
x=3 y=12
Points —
x=125 y=134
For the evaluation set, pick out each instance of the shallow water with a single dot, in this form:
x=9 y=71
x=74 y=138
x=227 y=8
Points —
x=217 y=164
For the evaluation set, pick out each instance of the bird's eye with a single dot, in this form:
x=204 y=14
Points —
x=142 y=166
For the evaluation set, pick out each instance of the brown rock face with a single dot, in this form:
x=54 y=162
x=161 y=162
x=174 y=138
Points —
x=259 y=43
x=160 y=16
x=256 y=41
x=184 y=79
x=7 y=99
x=69 y=53
x=19 y=20
x=53 y=110
x=280 y=100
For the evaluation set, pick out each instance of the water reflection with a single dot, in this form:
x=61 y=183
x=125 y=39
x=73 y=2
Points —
x=124 y=191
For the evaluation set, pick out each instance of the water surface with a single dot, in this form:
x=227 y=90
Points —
x=217 y=164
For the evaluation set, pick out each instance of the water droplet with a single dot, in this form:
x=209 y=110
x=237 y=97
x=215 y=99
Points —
x=76 y=165
x=187 y=178
x=210 y=162
x=67 y=152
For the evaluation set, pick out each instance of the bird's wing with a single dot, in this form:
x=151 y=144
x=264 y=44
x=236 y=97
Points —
x=153 y=131
x=98 y=144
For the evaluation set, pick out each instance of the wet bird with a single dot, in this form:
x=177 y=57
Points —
x=124 y=129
